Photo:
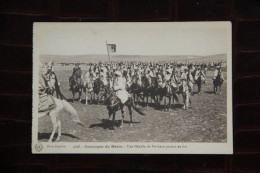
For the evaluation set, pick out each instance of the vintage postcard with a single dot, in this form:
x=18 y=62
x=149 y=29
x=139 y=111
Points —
x=157 y=88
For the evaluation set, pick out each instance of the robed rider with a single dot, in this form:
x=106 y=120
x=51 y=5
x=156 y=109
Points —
x=120 y=87
x=218 y=72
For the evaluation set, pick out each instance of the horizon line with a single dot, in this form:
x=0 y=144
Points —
x=130 y=55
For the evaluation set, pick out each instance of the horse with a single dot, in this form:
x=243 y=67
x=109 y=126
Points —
x=55 y=112
x=150 y=86
x=168 y=91
x=136 y=88
x=98 y=87
x=217 y=83
x=114 y=104
x=75 y=86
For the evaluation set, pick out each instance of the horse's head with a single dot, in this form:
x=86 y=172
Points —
x=109 y=96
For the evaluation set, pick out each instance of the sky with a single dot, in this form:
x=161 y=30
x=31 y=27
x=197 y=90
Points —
x=192 y=38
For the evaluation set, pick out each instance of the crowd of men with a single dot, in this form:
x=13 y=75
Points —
x=118 y=76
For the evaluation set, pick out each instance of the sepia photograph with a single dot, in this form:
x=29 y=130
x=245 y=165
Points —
x=157 y=88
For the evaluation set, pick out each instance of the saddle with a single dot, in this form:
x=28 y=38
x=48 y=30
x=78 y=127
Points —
x=46 y=103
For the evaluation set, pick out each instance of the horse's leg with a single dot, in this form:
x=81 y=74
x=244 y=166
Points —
x=137 y=99
x=97 y=98
x=147 y=100
x=170 y=99
x=215 y=88
x=59 y=131
x=164 y=103
x=175 y=97
x=160 y=100
x=190 y=99
x=109 y=114
x=187 y=100
x=86 y=97
x=219 y=89
x=54 y=124
x=199 y=87
x=91 y=97
x=144 y=98
x=130 y=113
x=184 y=100
x=113 y=120
x=80 y=92
x=123 y=115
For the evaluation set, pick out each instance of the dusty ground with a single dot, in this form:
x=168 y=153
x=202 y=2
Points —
x=206 y=121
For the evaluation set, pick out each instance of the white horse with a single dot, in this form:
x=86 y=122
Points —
x=54 y=113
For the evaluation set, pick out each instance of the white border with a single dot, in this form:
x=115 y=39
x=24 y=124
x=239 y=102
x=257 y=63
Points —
x=138 y=148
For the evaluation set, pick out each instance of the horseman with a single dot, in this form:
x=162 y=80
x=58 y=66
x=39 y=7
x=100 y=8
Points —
x=218 y=72
x=168 y=79
x=120 y=87
x=49 y=77
x=127 y=77
x=161 y=83
x=103 y=76
x=199 y=73
x=77 y=75
x=89 y=80
x=46 y=101
x=137 y=73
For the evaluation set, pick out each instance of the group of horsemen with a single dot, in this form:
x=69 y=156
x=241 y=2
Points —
x=118 y=76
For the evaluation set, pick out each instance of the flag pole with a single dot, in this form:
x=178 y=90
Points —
x=108 y=52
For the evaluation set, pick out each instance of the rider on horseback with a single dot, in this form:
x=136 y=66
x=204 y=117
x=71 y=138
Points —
x=199 y=73
x=103 y=76
x=77 y=75
x=127 y=77
x=168 y=79
x=218 y=72
x=45 y=101
x=48 y=76
x=120 y=87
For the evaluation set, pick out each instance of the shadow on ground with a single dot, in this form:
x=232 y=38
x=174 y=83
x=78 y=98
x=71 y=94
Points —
x=107 y=124
x=46 y=136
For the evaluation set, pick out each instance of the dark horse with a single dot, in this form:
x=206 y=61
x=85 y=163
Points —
x=150 y=88
x=114 y=104
x=76 y=84
x=167 y=92
x=136 y=89
x=217 y=83
x=98 y=87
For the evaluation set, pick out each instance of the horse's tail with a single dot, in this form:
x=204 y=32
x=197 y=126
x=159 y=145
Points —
x=58 y=89
x=75 y=117
x=138 y=110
